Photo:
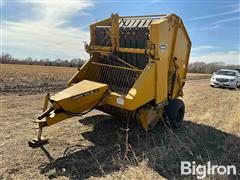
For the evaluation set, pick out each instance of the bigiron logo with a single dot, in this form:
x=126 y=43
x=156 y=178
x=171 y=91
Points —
x=201 y=171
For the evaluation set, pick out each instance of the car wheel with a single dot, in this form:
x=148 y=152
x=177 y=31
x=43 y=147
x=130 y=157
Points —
x=236 y=86
x=175 y=113
x=233 y=87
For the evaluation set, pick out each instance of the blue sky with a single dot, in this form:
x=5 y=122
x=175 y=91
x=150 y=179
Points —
x=57 y=28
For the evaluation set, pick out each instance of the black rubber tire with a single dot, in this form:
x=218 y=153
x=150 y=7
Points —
x=175 y=113
x=236 y=85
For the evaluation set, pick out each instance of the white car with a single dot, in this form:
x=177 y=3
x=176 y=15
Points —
x=225 y=78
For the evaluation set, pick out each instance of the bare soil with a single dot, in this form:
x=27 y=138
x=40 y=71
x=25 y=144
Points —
x=33 y=79
x=93 y=146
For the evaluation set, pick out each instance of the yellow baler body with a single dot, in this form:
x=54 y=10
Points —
x=155 y=79
x=136 y=74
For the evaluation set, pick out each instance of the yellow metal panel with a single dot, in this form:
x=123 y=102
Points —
x=181 y=52
x=159 y=37
x=115 y=31
x=55 y=118
x=149 y=116
x=93 y=28
x=107 y=49
x=80 y=97
x=80 y=74
x=142 y=91
x=173 y=30
x=132 y=50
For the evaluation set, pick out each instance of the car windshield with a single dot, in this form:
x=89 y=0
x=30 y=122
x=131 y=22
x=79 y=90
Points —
x=237 y=70
x=226 y=73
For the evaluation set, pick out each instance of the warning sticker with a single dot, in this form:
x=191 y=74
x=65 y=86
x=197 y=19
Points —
x=120 y=100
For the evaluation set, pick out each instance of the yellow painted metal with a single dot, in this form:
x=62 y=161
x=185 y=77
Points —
x=55 y=118
x=162 y=79
x=80 y=74
x=159 y=36
x=80 y=97
x=107 y=49
x=76 y=99
x=93 y=29
x=149 y=116
x=115 y=31
x=182 y=52
x=143 y=91
x=45 y=105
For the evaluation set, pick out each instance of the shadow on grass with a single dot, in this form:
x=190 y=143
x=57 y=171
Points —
x=160 y=147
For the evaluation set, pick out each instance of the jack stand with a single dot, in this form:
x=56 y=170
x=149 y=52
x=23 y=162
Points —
x=39 y=141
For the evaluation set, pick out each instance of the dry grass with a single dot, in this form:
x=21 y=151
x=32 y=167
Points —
x=198 y=76
x=93 y=146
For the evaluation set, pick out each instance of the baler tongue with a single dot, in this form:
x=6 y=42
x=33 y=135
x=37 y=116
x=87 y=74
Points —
x=75 y=100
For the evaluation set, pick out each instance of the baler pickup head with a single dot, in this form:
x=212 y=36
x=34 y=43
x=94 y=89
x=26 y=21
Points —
x=73 y=101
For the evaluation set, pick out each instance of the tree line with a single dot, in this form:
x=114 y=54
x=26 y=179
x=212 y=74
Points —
x=196 y=67
x=9 y=59
x=209 y=68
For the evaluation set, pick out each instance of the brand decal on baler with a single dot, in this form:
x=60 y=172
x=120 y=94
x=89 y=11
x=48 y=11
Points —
x=85 y=94
x=163 y=47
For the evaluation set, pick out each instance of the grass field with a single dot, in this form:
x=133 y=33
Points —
x=92 y=146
